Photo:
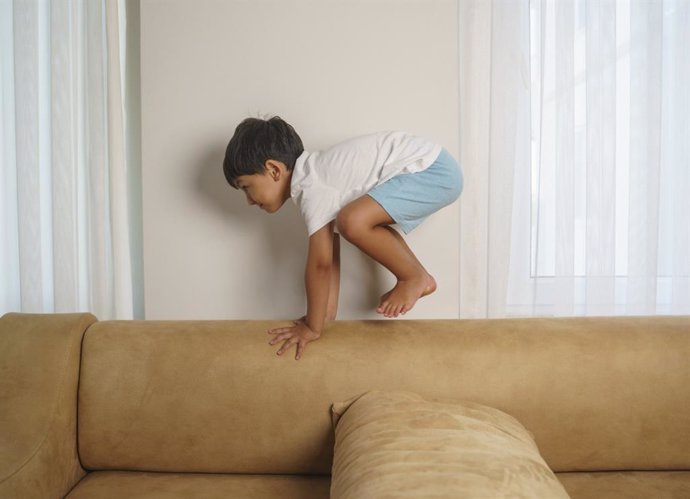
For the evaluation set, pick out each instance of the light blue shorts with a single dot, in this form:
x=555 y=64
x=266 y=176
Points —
x=411 y=197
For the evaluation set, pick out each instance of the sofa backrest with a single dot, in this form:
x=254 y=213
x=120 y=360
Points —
x=212 y=396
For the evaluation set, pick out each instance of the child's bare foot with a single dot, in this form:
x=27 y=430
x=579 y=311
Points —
x=404 y=295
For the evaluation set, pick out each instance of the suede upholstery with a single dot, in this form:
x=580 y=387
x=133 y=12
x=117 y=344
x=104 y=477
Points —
x=628 y=484
x=599 y=395
x=39 y=371
x=145 y=381
x=142 y=485
x=396 y=445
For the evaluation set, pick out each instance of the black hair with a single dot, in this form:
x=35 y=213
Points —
x=257 y=140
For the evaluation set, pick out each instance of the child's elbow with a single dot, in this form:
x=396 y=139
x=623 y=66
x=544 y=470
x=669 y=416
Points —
x=324 y=265
x=320 y=263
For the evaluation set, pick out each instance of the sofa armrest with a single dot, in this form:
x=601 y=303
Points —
x=39 y=374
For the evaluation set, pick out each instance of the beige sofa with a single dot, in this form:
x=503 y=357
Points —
x=205 y=409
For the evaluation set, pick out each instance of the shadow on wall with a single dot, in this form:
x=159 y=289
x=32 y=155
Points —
x=225 y=201
x=363 y=281
x=283 y=235
x=282 y=238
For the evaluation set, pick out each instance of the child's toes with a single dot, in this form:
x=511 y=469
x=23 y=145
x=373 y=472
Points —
x=383 y=303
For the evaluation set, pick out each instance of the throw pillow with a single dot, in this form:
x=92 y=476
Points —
x=398 y=445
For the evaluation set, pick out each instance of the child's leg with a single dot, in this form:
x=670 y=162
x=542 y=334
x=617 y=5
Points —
x=364 y=223
x=397 y=235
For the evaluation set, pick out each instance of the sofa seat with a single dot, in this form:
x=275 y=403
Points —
x=627 y=484
x=146 y=485
x=140 y=485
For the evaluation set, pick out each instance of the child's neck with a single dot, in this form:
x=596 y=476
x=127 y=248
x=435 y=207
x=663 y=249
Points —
x=287 y=185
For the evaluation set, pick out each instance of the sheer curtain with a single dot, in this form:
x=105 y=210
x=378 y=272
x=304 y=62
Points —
x=64 y=196
x=494 y=145
x=575 y=128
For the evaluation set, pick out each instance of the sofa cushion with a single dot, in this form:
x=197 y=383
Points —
x=627 y=484
x=398 y=445
x=142 y=485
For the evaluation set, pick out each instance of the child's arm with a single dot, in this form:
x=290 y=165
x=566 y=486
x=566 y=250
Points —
x=318 y=277
x=334 y=290
x=318 y=283
x=335 y=280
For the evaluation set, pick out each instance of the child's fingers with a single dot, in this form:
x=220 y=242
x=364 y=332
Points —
x=300 y=349
x=287 y=344
x=280 y=337
x=280 y=330
x=289 y=336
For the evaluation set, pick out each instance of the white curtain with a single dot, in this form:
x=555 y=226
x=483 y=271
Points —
x=64 y=195
x=575 y=136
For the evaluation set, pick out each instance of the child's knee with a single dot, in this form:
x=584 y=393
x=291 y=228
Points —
x=349 y=224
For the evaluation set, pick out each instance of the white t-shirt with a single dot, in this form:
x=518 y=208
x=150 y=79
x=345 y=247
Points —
x=323 y=182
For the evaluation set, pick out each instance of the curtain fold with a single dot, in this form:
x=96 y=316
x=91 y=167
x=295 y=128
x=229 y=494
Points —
x=576 y=200
x=494 y=100
x=66 y=244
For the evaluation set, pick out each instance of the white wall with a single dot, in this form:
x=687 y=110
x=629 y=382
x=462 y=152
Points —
x=333 y=69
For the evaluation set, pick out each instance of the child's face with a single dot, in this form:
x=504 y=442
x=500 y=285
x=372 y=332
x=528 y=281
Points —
x=267 y=190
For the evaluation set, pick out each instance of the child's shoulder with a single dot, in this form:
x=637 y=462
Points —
x=365 y=140
x=375 y=141
x=379 y=137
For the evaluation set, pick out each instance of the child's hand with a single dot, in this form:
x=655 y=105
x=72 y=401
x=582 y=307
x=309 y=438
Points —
x=329 y=318
x=300 y=334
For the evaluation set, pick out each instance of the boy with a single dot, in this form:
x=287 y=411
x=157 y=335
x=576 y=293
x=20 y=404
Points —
x=359 y=187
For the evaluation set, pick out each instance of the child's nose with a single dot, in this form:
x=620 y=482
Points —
x=250 y=200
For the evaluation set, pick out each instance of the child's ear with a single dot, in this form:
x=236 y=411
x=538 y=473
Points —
x=274 y=169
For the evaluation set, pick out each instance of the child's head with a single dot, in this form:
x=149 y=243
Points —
x=257 y=141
